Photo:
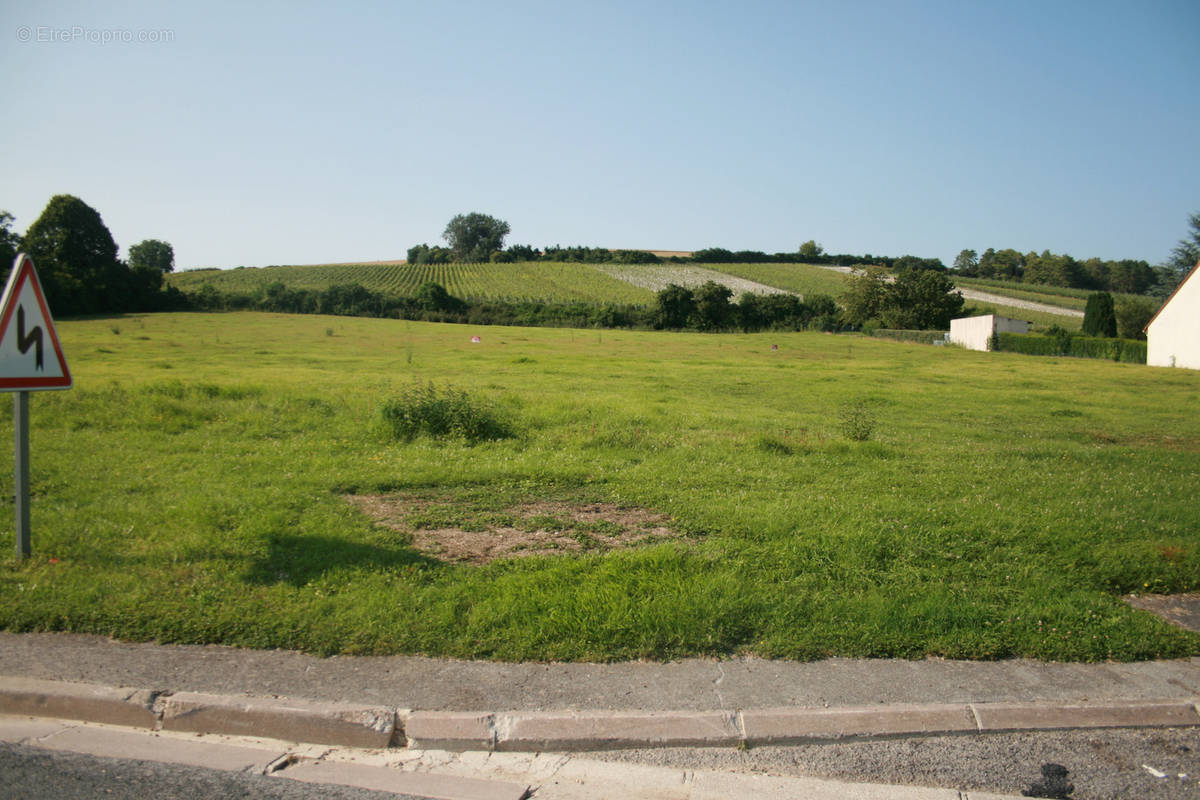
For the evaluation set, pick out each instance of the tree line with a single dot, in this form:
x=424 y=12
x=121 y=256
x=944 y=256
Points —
x=479 y=237
x=76 y=260
x=1127 y=276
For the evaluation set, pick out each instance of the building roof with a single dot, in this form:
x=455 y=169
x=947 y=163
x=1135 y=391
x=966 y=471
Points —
x=1167 y=302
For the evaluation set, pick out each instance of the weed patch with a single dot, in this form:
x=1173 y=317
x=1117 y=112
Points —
x=857 y=421
x=426 y=410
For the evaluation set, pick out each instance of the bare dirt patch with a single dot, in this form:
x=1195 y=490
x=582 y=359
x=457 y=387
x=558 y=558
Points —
x=440 y=529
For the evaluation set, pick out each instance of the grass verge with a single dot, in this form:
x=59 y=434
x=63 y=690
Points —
x=192 y=488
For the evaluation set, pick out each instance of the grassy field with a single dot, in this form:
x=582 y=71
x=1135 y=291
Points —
x=1052 y=295
x=222 y=478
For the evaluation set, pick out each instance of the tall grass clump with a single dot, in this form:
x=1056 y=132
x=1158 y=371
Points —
x=424 y=409
x=857 y=421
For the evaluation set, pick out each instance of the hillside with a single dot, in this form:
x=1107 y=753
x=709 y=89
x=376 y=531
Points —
x=625 y=284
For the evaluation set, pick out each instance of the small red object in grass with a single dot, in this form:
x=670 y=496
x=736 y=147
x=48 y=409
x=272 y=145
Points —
x=54 y=561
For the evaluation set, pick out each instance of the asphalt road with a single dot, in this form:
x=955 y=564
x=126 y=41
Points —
x=1101 y=764
x=28 y=773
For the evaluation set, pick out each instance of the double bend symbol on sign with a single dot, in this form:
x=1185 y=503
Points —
x=25 y=341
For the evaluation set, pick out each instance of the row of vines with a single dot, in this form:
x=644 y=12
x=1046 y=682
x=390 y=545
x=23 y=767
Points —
x=534 y=281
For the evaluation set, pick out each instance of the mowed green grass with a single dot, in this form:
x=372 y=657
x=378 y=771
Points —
x=192 y=488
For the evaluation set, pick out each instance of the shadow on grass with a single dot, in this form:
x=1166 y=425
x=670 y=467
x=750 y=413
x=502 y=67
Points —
x=299 y=560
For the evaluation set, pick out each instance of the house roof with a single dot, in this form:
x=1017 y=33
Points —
x=1167 y=302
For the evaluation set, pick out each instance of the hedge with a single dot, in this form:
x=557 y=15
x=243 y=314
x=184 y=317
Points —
x=1128 y=351
x=919 y=337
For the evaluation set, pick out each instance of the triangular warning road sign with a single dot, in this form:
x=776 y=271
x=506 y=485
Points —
x=30 y=356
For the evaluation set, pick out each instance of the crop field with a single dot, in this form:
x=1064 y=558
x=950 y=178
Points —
x=524 y=281
x=656 y=277
x=803 y=279
x=348 y=485
x=623 y=284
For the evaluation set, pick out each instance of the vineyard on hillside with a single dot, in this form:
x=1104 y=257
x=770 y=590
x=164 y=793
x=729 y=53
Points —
x=538 y=281
x=572 y=282
x=656 y=277
x=803 y=279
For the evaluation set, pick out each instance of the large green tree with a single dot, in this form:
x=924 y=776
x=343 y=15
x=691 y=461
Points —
x=1187 y=253
x=713 y=310
x=76 y=258
x=675 y=306
x=152 y=254
x=966 y=261
x=811 y=249
x=1006 y=264
x=918 y=299
x=474 y=237
x=865 y=295
x=10 y=242
x=921 y=299
x=1053 y=270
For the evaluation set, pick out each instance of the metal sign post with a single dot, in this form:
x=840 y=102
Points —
x=21 y=470
x=31 y=359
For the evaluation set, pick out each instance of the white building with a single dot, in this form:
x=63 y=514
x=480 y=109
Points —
x=975 y=333
x=1173 y=334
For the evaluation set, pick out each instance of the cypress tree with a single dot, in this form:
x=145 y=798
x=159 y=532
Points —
x=1099 y=317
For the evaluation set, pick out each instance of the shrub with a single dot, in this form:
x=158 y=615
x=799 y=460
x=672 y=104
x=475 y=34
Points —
x=858 y=422
x=1133 y=314
x=424 y=409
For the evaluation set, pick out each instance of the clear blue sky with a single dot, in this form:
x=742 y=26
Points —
x=285 y=133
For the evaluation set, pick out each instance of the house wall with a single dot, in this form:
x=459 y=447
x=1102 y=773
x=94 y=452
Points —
x=972 y=332
x=1173 y=336
x=975 y=333
x=1006 y=325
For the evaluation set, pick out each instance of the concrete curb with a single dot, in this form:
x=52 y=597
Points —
x=280 y=718
x=113 y=706
x=350 y=725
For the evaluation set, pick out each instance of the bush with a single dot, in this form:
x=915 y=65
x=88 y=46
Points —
x=919 y=337
x=424 y=409
x=1133 y=314
x=432 y=296
x=858 y=423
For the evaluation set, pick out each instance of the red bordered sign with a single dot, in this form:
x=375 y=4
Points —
x=30 y=356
